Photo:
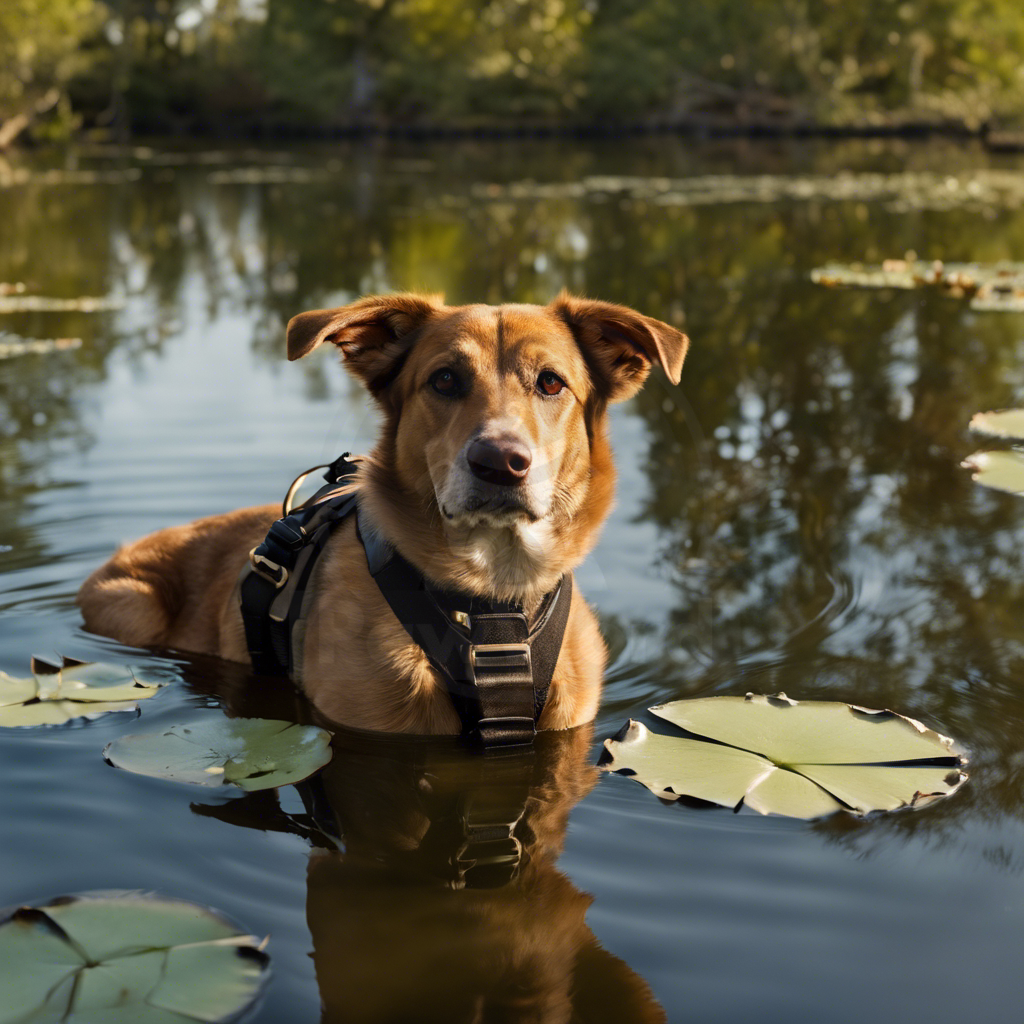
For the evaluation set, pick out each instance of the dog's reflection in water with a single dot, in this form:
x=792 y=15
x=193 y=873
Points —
x=433 y=893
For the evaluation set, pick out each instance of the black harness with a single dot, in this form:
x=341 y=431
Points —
x=496 y=664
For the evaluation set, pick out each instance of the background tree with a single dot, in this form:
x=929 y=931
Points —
x=319 y=66
x=39 y=41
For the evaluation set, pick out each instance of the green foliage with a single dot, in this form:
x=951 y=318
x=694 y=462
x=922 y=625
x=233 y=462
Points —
x=338 y=61
x=809 y=58
x=180 y=65
x=39 y=51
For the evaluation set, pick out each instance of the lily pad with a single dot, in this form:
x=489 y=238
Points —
x=993 y=287
x=803 y=759
x=1000 y=470
x=55 y=694
x=125 y=958
x=252 y=753
x=1008 y=423
x=11 y=345
x=903 y=276
x=46 y=304
x=985 y=189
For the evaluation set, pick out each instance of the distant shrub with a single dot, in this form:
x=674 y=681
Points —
x=316 y=65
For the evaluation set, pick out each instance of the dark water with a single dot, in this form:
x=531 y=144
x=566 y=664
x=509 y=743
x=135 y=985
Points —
x=791 y=518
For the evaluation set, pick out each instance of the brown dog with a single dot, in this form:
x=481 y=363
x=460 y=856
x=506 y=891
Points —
x=492 y=476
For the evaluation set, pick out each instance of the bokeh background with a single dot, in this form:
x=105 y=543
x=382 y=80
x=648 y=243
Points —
x=328 y=66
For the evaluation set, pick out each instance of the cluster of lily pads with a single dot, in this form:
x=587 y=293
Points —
x=15 y=298
x=22 y=303
x=135 y=958
x=12 y=345
x=989 y=287
x=980 y=189
x=251 y=753
x=1002 y=469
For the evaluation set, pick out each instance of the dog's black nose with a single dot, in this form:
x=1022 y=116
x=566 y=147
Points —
x=504 y=461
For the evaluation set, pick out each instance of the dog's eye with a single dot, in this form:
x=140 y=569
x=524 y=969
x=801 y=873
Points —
x=549 y=383
x=444 y=382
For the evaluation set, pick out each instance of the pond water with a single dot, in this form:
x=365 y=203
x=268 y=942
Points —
x=793 y=517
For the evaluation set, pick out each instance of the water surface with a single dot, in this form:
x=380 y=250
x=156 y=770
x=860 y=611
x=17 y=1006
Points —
x=793 y=517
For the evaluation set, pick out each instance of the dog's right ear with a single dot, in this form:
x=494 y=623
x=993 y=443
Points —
x=374 y=334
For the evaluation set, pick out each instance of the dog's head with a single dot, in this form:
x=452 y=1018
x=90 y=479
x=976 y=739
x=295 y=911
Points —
x=494 y=414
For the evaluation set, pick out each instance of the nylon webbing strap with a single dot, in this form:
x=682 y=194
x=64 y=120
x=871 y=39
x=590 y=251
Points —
x=274 y=581
x=501 y=669
x=497 y=670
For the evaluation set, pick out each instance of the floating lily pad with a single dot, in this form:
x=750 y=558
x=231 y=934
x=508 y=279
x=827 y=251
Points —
x=855 y=275
x=994 y=287
x=985 y=189
x=46 y=304
x=252 y=753
x=125 y=958
x=11 y=345
x=998 y=300
x=1000 y=470
x=1008 y=423
x=55 y=694
x=803 y=759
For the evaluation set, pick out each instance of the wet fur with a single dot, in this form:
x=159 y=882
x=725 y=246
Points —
x=176 y=588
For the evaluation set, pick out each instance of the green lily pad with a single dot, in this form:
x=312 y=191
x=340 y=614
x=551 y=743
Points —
x=803 y=759
x=998 y=300
x=252 y=753
x=1008 y=423
x=11 y=345
x=992 y=287
x=46 y=304
x=55 y=694
x=903 y=275
x=125 y=957
x=1000 y=470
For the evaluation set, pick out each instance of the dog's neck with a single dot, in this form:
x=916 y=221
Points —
x=519 y=563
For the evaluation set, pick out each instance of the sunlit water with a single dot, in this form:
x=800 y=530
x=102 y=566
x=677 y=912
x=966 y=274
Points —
x=793 y=517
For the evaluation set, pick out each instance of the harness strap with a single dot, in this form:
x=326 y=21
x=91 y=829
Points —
x=498 y=670
x=273 y=583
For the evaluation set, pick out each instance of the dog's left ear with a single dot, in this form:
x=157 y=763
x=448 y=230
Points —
x=374 y=334
x=620 y=344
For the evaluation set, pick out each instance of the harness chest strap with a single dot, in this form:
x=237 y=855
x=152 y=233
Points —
x=497 y=669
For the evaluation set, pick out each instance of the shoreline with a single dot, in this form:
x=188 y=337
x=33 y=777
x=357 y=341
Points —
x=994 y=138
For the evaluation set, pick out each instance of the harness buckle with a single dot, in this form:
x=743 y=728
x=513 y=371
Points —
x=502 y=734
x=268 y=570
x=489 y=657
x=288 y=534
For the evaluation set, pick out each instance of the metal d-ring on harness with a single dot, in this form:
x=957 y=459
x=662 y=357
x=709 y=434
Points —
x=496 y=664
